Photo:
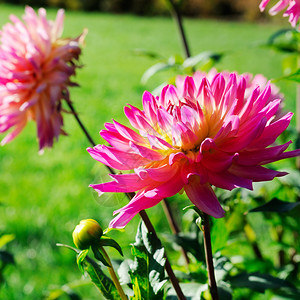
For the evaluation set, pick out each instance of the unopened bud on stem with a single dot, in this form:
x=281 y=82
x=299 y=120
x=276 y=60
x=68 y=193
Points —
x=86 y=233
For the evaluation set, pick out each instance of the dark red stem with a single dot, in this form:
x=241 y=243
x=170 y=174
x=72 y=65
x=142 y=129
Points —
x=209 y=259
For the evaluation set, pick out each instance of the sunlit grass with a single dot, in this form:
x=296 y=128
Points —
x=44 y=196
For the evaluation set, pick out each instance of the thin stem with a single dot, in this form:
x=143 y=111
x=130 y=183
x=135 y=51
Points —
x=114 y=277
x=143 y=214
x=81 y=124
x=177 y=16
x=168 y=267
x=85 y=130
x=298 y=121
x=209 y=259
x=174 y=226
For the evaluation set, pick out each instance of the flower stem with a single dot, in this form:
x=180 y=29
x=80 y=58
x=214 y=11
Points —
x=168 y=267
x=298 y=121
x=85 y=130
x=174 y=226
x=114 y=277
x=177 y=16
x=209 y=258
x=143 y=214
x=81 y=124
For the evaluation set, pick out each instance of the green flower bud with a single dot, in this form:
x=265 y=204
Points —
x=86 y=233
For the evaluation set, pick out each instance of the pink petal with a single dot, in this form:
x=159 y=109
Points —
x=203 y=196
x=271 y=132
x=263 y=5
x=128 y=133
x=145 y=152
x=124 y=183
x=117 y=159
x=261 y=156
x=228 y=181
x=218 y=86
x=125 y=214
x=255 y=173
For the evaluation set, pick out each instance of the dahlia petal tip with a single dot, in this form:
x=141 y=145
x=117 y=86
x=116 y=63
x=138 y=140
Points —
x=292 y=9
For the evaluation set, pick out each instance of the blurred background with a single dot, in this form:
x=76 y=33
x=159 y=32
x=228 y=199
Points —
x=238 y=9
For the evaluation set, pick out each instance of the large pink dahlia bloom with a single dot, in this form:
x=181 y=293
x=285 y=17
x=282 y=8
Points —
x=292 y=9
x=35 y=69
x=207 y=131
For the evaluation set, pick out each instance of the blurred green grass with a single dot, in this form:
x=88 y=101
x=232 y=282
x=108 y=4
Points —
x=43 y=197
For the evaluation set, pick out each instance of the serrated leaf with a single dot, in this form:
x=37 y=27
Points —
x=124 y=270
x=136 y=290
x=147 y=269
x=191 y=290
x=258 y=282
x=276 y=205
x=107 y=241
x=101 y=281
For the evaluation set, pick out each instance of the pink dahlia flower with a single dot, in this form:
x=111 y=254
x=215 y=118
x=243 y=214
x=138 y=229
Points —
x=35 y=69
x=209 y=131
x=292 y=11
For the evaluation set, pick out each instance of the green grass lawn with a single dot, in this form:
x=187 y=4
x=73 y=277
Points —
x=43 y=197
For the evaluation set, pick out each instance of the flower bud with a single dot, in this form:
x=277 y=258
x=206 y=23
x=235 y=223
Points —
x=86 y=233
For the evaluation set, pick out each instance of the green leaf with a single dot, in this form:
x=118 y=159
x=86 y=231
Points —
x=100 y=255
x=107 y=241
x=201 y=58
x=276 y=205
x=124 y=271
x=285 y=40
x=101 y=281
x=219 y=234
x=295 y=76
x=258 y=282
x=5 y=239
x=80 y=260
x=190 y=242
x=147 y=269
x=192 y=291
x=107 y=230
x=153 y=70
x=290 y=64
